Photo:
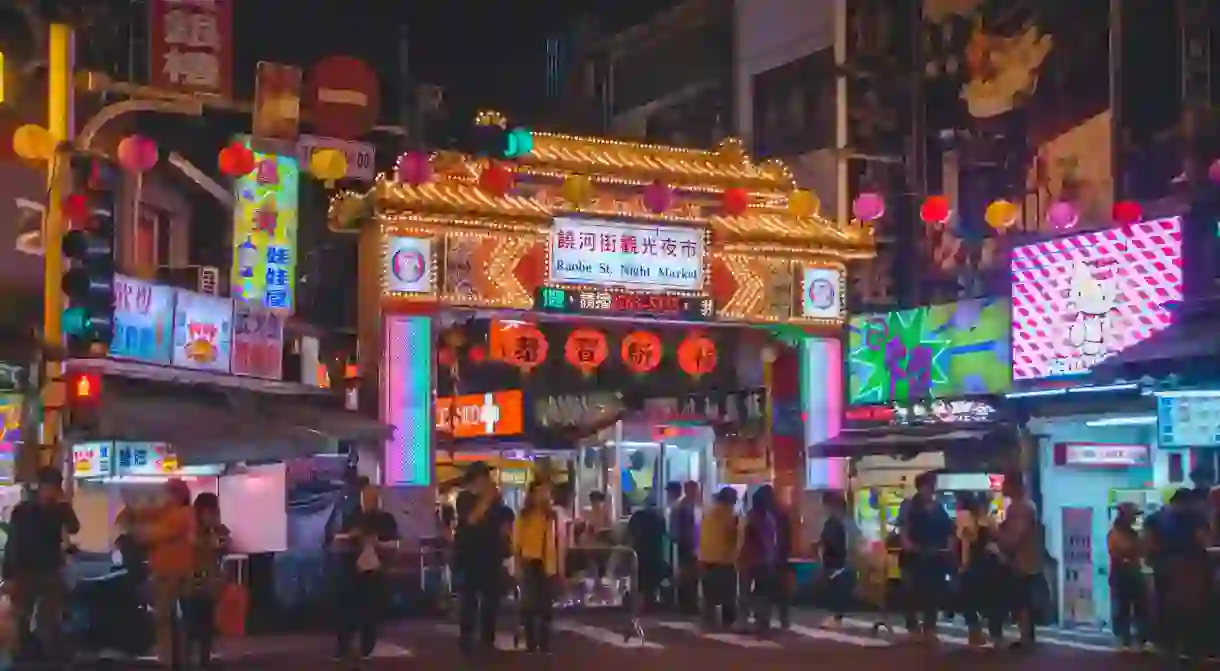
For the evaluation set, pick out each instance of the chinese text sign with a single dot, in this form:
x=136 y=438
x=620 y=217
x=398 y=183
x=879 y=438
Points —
x=143 y=321
x=258 y=342
x=265 y=233
x=203 y=331
x=190 y=46
x=592 y=251
x=1081 y=299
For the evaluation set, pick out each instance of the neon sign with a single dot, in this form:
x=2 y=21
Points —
x=1079 y=300
x=265 y=232
x=559 y=299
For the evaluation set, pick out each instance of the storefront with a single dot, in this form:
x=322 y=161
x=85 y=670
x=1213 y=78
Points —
x=1077 y=302
x=632 y=293
x=193 y=388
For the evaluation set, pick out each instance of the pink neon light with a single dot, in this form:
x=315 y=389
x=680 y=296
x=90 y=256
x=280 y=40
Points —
x=1080 y=299
x=393 y=389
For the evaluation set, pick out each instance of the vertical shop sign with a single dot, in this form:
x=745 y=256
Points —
x=1078 y=608
x=277 y=102
x=203 y=331
x=265 y=233
x=407 y=402
x=190 y=45
x=143 y=321
x=258 y=342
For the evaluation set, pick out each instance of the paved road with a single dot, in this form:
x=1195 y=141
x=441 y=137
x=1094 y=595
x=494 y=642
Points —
x=591 y=642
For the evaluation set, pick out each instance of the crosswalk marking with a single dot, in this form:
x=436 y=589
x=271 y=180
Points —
x=960 y=640
x=605 y=636
x=504 y=640
x=385 y=650
x=738 y=640
x=838 y=637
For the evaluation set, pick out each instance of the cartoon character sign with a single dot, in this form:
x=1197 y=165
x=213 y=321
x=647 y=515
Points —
x=1093 y=300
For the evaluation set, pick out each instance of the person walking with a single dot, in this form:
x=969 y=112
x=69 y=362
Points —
x=539 y=553
x=927 y=533
x=212 y=541
x=834 y=550
x=364 y=544
x=761 y=556
x=684 y=534
x=1019 y=543
x=34 y=558
x=168 y=530
x=979 y=572
x=1128 y=596
x=718 y=543
x=482 y=543
x=646 y=534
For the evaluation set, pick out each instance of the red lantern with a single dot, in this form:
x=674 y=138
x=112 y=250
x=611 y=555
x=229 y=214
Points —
x=477 y=354
x=586 y=349
x=236 y=160
x=524 y=347
x=735 y=201
x=935 y=210
x=641 y=351
x=697 y=355
x=496 y=179
x=445 y=358
x=76 y=209
x=1127 y=212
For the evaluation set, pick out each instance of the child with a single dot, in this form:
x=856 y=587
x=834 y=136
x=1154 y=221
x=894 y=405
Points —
x=536 y=547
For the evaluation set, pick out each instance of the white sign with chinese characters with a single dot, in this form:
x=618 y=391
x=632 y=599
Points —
x=408 y=265
x=822 y=293
x=360 y=155
x=639 y=256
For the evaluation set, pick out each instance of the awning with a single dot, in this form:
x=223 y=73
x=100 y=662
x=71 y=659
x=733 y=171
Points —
x=206 y=424
x=965 y=441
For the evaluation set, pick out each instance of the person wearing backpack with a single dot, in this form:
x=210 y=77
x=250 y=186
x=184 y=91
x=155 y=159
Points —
x=539 y=555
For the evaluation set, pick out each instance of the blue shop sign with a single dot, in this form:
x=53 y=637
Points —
x=143 y=321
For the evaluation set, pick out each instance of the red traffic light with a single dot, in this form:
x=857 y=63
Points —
x=84 y=388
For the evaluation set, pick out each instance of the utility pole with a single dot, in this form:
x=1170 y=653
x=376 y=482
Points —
x=59 y=123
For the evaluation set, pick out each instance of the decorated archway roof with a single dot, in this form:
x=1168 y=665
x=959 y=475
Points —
x=619 y=171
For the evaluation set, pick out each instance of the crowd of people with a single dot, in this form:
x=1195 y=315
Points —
x=176 y=543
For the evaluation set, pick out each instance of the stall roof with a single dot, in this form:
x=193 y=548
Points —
x=209 y=423
x=899 y=440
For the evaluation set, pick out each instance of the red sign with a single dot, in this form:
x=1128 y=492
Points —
x=344 y=97
x=258 y=342
x=190 y=46
x=870 y=413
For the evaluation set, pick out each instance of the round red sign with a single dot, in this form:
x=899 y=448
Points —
x=344 y=97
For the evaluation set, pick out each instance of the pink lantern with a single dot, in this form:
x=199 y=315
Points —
x=657 y=197
x=137 y=153
x=414 y=168
x=1213 y=171
x=1062 y=215
x=868 y=206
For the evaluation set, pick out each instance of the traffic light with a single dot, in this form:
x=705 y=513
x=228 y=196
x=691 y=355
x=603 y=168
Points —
x=89 y=247
x=83 y=389
x=500 y=142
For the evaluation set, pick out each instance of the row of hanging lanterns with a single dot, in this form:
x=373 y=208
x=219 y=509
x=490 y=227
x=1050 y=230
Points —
x=587 y=349
x=1002 y=214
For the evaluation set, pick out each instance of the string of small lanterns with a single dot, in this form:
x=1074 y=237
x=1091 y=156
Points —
x=1061 y=215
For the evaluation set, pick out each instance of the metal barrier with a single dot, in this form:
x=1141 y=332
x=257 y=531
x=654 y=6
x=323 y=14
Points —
x=598 y=576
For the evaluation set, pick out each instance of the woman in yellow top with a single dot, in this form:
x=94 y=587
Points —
x=539 y=560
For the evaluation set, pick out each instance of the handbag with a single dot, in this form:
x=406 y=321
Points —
x=231 y=607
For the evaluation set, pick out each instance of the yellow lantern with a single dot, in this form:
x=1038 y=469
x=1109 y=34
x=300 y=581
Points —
x=328 y=165
x=803 y=203
x=34 y=143
x=1000 y=214
x=577 y=190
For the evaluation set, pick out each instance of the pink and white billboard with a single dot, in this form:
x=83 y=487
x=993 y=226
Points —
x=1081 y=299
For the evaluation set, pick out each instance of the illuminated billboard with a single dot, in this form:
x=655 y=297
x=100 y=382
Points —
x=265 y=232
x=1081 y=299
x=935 y=351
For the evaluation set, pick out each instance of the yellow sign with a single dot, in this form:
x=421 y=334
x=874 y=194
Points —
x=265 y=232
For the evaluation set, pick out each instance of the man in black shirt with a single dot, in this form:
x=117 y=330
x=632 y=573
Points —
x=366 y=543
x=34 y=558
x=834 y=548
x=482 y=541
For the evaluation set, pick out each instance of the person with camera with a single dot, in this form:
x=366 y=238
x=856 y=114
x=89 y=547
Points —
x=365 y=541
x=482 y=543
